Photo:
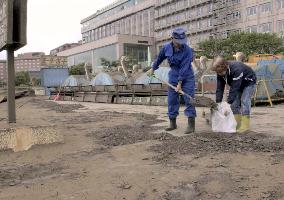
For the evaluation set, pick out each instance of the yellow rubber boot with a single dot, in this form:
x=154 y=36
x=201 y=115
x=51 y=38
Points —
x=245 y=119
x=238 y=120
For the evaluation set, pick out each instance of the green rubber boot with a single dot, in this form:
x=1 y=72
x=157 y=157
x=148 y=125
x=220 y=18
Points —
x=190 y=125
x=173 y=125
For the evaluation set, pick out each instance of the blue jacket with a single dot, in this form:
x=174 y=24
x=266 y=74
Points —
x=179 y=61
x=238 y=77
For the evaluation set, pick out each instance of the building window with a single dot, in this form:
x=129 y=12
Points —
x=266 y=7
x=251 y=11
x=210 y=7
x=281 y=3
x=251 y=29
x=188 y=15
x=199 y=11
x=236 y=1
x=198 y=24
x=266 y=27
x=237 y=15
x=234 y=15
x=281 y=25
x=210 y=23
x=180 y=5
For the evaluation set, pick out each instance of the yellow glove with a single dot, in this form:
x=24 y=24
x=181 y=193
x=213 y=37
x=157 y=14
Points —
x=150 y=72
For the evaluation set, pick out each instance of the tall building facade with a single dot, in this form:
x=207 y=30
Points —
x=28 y=61
x=139 y=28
x=205 y=18
x=125 y=27
x=195 y=16
x=263 y=16
x=31 y=61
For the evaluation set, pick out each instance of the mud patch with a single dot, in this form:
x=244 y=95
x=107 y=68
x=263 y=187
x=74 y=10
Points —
x=184 y=191
x=59 y=108
x=21 y=139
x=102 y=117
x=14 y=175
x=211 y=143
x=274 y=194
x=207 y=186
x=140 y=131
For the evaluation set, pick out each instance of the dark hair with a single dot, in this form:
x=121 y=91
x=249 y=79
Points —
x=219 y=64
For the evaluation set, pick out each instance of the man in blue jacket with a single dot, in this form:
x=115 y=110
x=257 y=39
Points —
x=242 y=81
x=181 y=75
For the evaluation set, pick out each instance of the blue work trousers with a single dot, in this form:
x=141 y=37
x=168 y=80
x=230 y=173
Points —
x=242 y=103
x=188 y=86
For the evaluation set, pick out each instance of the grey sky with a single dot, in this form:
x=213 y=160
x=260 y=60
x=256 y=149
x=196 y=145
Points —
x=52 y=23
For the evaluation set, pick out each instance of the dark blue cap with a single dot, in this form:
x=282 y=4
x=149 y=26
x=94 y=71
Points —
x=179 y=36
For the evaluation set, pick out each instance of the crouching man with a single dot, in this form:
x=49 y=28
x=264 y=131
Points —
x=242 y=81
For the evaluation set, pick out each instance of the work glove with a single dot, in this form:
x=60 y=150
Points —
x=150 y=72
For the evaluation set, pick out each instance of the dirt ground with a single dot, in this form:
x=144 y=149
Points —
x=115 y=151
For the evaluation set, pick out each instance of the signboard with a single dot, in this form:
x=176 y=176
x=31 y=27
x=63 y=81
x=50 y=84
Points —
x=54 y=61
x=13 y=23
x=6 y=23
x=19 y=23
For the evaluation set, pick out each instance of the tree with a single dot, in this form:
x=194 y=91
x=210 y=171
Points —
x=22 y=78
x=248 y=43
x=35 y=81
x=77 y=69
x=108 y=64
x=2 y=83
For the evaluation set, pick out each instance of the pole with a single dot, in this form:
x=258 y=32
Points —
x=11 y=86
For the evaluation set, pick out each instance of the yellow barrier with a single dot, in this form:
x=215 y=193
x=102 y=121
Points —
x=269 y=99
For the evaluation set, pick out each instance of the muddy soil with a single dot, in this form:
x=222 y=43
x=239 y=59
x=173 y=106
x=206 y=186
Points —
x=14 y=175
x=121 y=152
x=51 y=105
x=129 y=134
x=203 y=144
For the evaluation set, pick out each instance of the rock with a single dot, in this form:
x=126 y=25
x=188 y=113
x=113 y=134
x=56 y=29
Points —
x=12 y=184
x=127 y=186
x=265 y=195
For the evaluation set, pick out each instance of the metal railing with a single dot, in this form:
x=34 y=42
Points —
x=202 y=81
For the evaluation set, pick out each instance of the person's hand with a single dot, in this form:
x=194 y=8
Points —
x=150 y=72
x=178 y=88
x=226 y=113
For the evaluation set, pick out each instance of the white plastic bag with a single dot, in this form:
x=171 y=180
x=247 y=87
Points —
x=223 y=119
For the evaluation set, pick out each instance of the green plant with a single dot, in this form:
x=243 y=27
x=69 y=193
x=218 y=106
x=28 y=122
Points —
x=248 y=43
x=77 y=69
x=22 y=78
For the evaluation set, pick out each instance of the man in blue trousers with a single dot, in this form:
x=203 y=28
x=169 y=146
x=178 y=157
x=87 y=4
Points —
x=181 y=75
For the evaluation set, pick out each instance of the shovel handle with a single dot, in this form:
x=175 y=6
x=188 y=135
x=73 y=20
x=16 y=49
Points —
x=173 y=87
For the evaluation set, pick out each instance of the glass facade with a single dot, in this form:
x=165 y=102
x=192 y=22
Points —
x=107 y=52
x=137 y=53
x=85 y=57
x=93 y=57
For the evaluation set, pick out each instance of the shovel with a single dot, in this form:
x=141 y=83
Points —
x=200 y=100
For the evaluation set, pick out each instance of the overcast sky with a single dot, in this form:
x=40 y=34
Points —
x=52 y=23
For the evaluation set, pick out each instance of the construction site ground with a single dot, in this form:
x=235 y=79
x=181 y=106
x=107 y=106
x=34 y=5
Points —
x=113 y=151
